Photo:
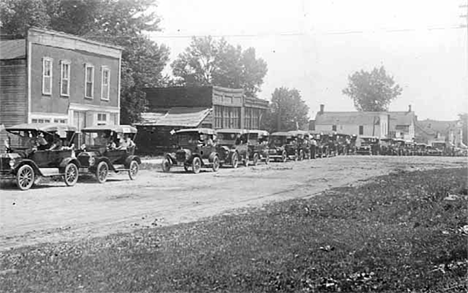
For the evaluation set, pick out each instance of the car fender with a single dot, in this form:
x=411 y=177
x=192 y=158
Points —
x=105 y=159
x=131 y=158
x=28 y=162
x=171 y=157
x=212 y=156
x=66 y=161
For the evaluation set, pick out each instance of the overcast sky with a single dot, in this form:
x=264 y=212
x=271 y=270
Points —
x=314 y=45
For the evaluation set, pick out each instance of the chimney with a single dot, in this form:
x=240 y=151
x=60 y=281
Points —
x=409 y=108
x=322 y=108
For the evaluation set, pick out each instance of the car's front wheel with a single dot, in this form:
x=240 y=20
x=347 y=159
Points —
x=101 y=172
x=255 y=159
x=196 y=165
x=215 y=165
x=133 y=170
x=166 y=165
x=234 y=160
x=25 y=177
x=71 y=174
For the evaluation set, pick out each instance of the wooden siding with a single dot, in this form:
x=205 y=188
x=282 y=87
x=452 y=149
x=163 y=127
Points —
x=56 y=103
x=13 y=94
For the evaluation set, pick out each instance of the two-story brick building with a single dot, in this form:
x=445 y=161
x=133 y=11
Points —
x=52 y=77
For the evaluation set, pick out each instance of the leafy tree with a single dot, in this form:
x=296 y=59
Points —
x=372 y=91
x=210 y=62
x=16 y=16
x=464 y=120
x=117 y=22
x=287 y=111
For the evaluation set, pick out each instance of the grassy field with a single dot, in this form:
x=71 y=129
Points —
x=405 y=232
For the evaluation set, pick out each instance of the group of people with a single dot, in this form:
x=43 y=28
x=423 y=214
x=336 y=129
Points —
x=124 y=141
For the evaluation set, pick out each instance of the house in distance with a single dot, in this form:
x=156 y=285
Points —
x=174 y=108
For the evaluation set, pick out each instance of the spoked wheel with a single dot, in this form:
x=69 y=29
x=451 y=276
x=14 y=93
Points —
x=101 y=172
x=246 y=161
x=215 y=165
x=284 y=157
x=234 y=160
x=196 y=165
x=133 y=170
x=255 y=159
x=25 y=177
x=166 y=165
x=71 y=174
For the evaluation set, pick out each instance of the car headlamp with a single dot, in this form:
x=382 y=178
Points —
x=91 y=160
x=12 y=163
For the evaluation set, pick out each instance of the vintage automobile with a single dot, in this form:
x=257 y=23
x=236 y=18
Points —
x=342 y=142
x=367 y=145
x=420 y=149
x=101 y=152
x=399 y=146
x=257 y=141
x=444 y=148
x=232 y=147
x=282 y=147
x=387 y=147
x=26 y=159
x=303 y=143
x=196 y=149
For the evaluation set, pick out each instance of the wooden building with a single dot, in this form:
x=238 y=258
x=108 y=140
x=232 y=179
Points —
x=174 y=108
x=393 y=124
x=53 y=77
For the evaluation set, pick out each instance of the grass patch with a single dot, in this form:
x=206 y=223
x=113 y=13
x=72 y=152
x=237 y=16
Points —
x=404 y=232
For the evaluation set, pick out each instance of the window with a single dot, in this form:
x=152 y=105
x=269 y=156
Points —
x=361 y=130
x=334 y=127
x=234 y=121
x=247 y=120
x=47 y=76
x=89 y=81
x=62 y=121
x=101 y=119
x=40 y=120
x=105 y=83
x=218 y=112
x=65 y=78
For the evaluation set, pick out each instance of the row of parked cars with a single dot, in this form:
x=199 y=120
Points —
x=207 y=148
x=49 y=150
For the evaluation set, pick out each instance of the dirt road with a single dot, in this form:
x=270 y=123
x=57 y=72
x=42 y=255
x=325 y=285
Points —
x=52 y=212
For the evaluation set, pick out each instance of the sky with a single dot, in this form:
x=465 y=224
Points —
x=314 y=45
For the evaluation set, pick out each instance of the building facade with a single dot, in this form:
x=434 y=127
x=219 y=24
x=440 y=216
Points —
x=379 y=124
x=174 y=108
x=52 y=77
x=428 y=131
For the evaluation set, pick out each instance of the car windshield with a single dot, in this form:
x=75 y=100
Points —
x=227 y=138
x=97 y=139
x=367 y=140
x=278 y=140
x=188 y=138
x=438 y=145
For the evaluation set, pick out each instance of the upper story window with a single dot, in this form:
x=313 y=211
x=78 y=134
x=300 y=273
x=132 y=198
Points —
x=105 y=86
x=89 y=81
x=361 y=130
x=47 y=75
x=65 y=78
x=333 y=127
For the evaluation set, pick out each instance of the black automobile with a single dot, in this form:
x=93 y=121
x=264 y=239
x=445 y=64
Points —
x=39 y=150
x=103 y=150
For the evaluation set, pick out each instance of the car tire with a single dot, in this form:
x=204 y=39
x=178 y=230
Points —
x=25 y=177
x=255 y=159
x=215 y=164
x=166 y=165
x=133 y=170
x=196 y=165
x=267 y=159
x=101 y=172
x=234 y=160
x=246 y=161
x=70 y=176
x=284 y=157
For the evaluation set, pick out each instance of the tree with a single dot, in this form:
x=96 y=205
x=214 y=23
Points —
x=372 y=91
x=210 y=62
x=118 y=22
x=464 y=122
x=287 y=111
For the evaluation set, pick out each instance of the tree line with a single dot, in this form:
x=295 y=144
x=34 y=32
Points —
x=206 y=61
